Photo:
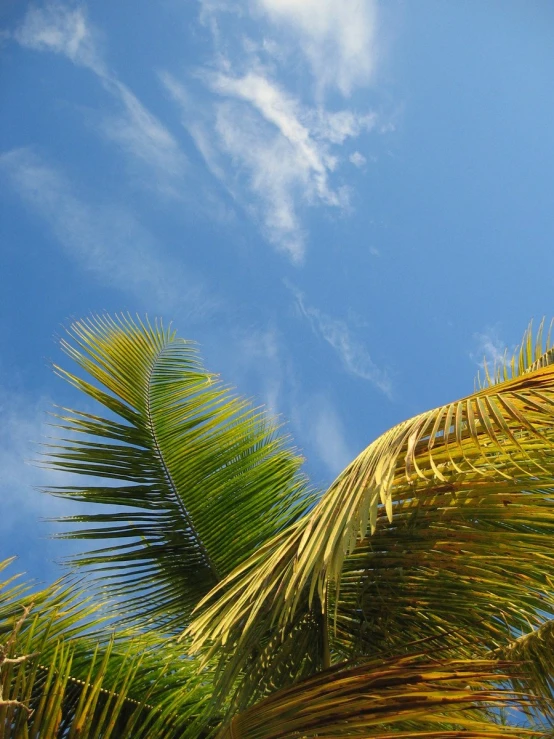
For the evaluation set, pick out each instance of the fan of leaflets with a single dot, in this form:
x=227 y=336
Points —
x=442 y=527
x=203 y=477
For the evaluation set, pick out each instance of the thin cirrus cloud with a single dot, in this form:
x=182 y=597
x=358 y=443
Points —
x=337 y=37
x=64 y=30
x=103 y=238
x=320 y=426
x=315 y=423
x=490 y=349
x=25 y=425
x=274 y=154
x=352 y=353
x=279 y=152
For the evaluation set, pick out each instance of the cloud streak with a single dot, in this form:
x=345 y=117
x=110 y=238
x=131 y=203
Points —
x=25 y=426
x=103 y=238
x=272 y=153
x=337 y=37
x=328 y=435
x=279 y=150
x=352 y=353
x=63 y=30
x=490 y=350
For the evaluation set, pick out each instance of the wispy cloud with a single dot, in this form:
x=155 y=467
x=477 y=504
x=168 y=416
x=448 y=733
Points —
x=278 y=149
x=352 y=353
x=328 y=435
x=263 y=362
x=260 y=360
x=104 y=238
x=357 y=159
x=489 y=348
x=24 y=427
x=63 y=29
x=338 y=37
x=261 y=141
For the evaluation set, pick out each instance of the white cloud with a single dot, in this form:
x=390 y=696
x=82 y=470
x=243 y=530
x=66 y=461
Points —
x=353 y=354
x=277 y=151
x=104 y=238
x=357 y=159
x=490 y=349
x=277 y=108
x=338 y=37
x=261 y=139
x=62 y=29
x=258 y=360
x=25 y=425
x=145 y=138
x=261 y=360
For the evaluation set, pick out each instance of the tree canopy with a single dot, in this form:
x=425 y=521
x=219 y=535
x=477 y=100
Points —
x=220 y=594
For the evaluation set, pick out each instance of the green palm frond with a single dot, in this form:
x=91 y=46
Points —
x=64 y=672
x=462 y=480
x=406 y=697
x=204 y=477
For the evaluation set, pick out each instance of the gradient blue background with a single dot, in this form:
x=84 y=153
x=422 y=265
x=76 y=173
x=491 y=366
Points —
x=346 y=206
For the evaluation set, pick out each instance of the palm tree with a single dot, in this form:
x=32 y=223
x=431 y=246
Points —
x=226 y=597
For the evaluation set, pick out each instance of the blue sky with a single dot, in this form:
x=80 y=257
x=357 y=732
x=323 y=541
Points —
x=346 y=203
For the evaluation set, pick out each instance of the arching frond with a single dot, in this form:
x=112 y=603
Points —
x=462 y=480
x=204 y=477
x=379 y=700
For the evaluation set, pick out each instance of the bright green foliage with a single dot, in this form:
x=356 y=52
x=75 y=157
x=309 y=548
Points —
x=205 y=477
x=412 y=599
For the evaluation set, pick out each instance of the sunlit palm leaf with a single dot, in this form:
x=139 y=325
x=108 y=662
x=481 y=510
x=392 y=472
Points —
x=532 y=354
x=377 y=700
x=463 y=480
x=205 y=478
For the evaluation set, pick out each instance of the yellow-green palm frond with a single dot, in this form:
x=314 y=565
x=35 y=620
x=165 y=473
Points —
x=462 y=480
x=64 y=672
x=534 y=651
x=482 y=566
x=204 y=477
x=534 y=352
x=406 y=697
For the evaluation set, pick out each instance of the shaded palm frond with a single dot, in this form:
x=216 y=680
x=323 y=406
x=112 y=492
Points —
x=481 y=565
x=204 y=477
x=534 y=650
x=406 y=697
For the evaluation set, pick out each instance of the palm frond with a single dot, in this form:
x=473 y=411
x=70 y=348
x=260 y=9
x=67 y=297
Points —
x=534 y=650
x=204 y=477
x=481 y=565
x=534 y=352
x=460 y=479
x=64 y=672
x=397 y=698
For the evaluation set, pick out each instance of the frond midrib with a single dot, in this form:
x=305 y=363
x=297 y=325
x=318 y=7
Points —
x=166 y=471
